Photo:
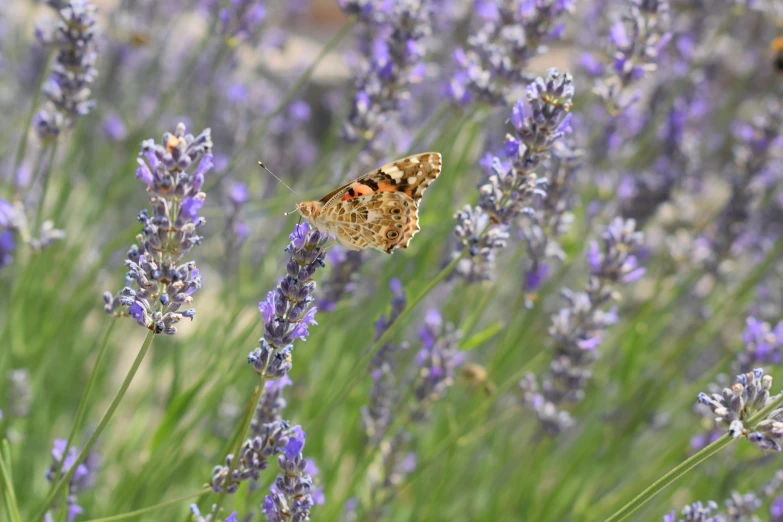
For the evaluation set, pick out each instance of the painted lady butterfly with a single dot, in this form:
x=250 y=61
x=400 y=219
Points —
x=378 y=210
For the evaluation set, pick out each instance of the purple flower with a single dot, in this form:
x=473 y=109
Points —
x=505 y=38
x=511 y=187
x=296 y=443
x=299 y=235
x=191 y=206
x=287 y=310
x=392 y=44
x=159 y=285
x=68 y=92
x=143 y=173
x=83 y=478
x=578 y=328
x=114 y=128
x=238 y=193
x=734 y=406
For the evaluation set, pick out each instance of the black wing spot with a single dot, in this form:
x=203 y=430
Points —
x=351 y=192
x=370 y=183
x=392 y=234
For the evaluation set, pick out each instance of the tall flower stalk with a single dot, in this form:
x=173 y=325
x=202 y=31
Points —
x=68 y=89
x=391 y=47
x=493 y=67
x=158 y=285
x=509 y=187
x=287 y=313
x=579 y=328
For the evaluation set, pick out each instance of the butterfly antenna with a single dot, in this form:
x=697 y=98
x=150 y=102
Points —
x=278 y=179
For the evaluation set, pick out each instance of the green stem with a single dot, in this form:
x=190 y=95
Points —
x=10 y=495
x=150 y=509
x=99 y=430
x=85 y=398
x=239 y=437
x=22 y=148
x=385 y=338
x=689 y=463
x=46 y=176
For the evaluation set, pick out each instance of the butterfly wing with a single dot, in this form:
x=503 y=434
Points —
x=383 y=220
x=411 y=176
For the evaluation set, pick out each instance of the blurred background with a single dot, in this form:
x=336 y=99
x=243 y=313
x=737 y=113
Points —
x=499 y=394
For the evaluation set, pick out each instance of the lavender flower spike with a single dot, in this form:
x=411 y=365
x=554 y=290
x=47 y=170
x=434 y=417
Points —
x=291 y=496
x=392 y=47
x=493 y=66
x=578 y=329
x=68 y=91
x=637 y=40
x=286 y=310
x=733 y=406
x=158 y=284
x=84 y=478
x=510 y=185
x=286 y=313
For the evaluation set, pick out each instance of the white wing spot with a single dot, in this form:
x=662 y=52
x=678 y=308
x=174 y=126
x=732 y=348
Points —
x=411 y=180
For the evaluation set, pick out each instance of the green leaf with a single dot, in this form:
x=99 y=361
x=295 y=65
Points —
x=483 y=336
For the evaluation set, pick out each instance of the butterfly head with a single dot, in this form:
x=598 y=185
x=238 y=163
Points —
x=309 y=209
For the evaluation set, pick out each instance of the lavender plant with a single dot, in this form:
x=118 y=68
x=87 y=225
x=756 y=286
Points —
x=540 y=119
x=579 y=328
x=157 y=286
x=493 y=67
x=68 y=90
x=81 y=480
x=749 y=395
x=286 y=314
x=392 y=45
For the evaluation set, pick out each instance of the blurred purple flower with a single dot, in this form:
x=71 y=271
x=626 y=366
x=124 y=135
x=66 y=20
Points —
x=493 y=66
x=82 y=479
x=114 y=128
x=578 y=329
x=511 y=186
x=68 y=89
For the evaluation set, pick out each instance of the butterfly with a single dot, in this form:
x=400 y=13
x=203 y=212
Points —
x=378 y=210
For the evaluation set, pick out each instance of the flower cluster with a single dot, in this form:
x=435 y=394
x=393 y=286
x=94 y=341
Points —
x=157 y=286
x=578 y=329
x=254 y=456
x=68 y=90
x=733 y=406
x=540 y=120
x=494 y=64
x=83 y=478
x=271 y=405
x=286 y=311
x=550 y=217
x=636 y=42
x=392 y=45
x=378 y=415
x=7 y=227
x=437 y=361
x=747 y=219
x=434 y=367
x=763 y=345
x=291 y=495
x=693 y=513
